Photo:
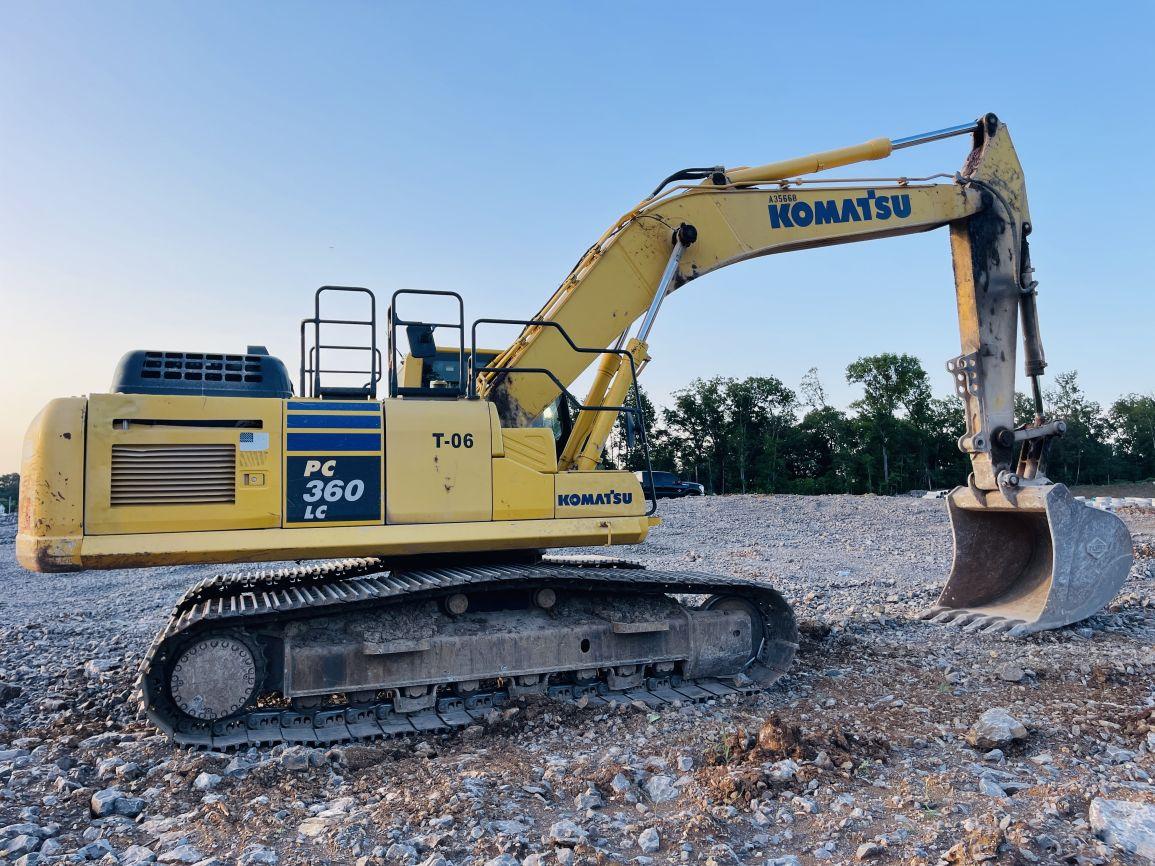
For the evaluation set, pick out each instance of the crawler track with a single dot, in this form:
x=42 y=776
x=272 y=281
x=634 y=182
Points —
x=246 y=605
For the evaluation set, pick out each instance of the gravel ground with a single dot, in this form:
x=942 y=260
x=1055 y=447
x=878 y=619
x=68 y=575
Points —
x=865 y=752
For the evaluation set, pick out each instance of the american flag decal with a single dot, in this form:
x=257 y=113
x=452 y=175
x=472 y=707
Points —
x=250 y=441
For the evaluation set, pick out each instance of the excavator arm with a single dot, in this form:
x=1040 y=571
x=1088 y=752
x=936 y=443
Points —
x=1027 y=555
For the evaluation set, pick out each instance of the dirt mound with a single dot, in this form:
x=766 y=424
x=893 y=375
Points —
x=741 y=765
x=779 y=739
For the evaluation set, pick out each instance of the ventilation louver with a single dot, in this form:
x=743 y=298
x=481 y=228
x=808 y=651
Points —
x=201 y=367
x=173 y=474
x=253 y=374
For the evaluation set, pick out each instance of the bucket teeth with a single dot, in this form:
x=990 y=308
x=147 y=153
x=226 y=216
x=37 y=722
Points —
x=982 y=623
x=944 y=615
x=1003 y=625
x=967 y=619
x=975 y=622
x=994 y=625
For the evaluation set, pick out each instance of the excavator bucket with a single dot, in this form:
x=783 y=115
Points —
x=1037 y=561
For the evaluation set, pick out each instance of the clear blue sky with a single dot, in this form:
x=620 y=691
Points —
x=184 y=175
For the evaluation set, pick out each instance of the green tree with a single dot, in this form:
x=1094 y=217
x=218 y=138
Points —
x=697 y=420
x=1082 y=455
x=759 y=416
x=1024 y=409
x=9 y=491
x=820 y=458
x=746 y=434
x=891 y=383
x=811 y=390
x=1132 y=419
x=942 y=424
x=625 y=445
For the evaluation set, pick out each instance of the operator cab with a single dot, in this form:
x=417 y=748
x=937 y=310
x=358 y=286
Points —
x=438 y=372
x=433 y=371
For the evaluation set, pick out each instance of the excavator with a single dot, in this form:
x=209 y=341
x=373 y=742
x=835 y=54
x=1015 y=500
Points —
x=432 y=509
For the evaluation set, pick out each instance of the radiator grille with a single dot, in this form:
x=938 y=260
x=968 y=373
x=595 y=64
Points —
x=173 y=474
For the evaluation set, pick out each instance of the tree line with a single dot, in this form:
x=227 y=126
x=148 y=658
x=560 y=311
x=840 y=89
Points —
x=757 y=435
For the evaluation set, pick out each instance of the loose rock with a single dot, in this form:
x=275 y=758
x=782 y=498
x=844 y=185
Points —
x=181 y=854
x=1011 y=673
x=649 y=840
x=112 y=801
x=661 y=789
x=1125 y=825
x=567 y=833
x=994 y=728
x=257 y=855
x=19 y=845
x=206 y=781
x=135 y=855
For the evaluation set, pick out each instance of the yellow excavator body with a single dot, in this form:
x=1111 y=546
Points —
x=132 y=480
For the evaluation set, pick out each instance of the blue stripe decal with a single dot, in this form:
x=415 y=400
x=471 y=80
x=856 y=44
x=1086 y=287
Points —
x=322 y=443
x=337 y=422
x=330 y=406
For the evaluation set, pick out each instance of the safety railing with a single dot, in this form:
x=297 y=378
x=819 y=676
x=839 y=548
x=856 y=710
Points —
x=422 y=345
x=635 y=411
x=312 y=367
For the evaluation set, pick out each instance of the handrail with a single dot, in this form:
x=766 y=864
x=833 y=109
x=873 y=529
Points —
x=311 y=366
x=394 y=321
x=635 y=410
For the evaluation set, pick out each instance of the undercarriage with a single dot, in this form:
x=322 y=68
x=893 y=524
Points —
x=352 y=650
